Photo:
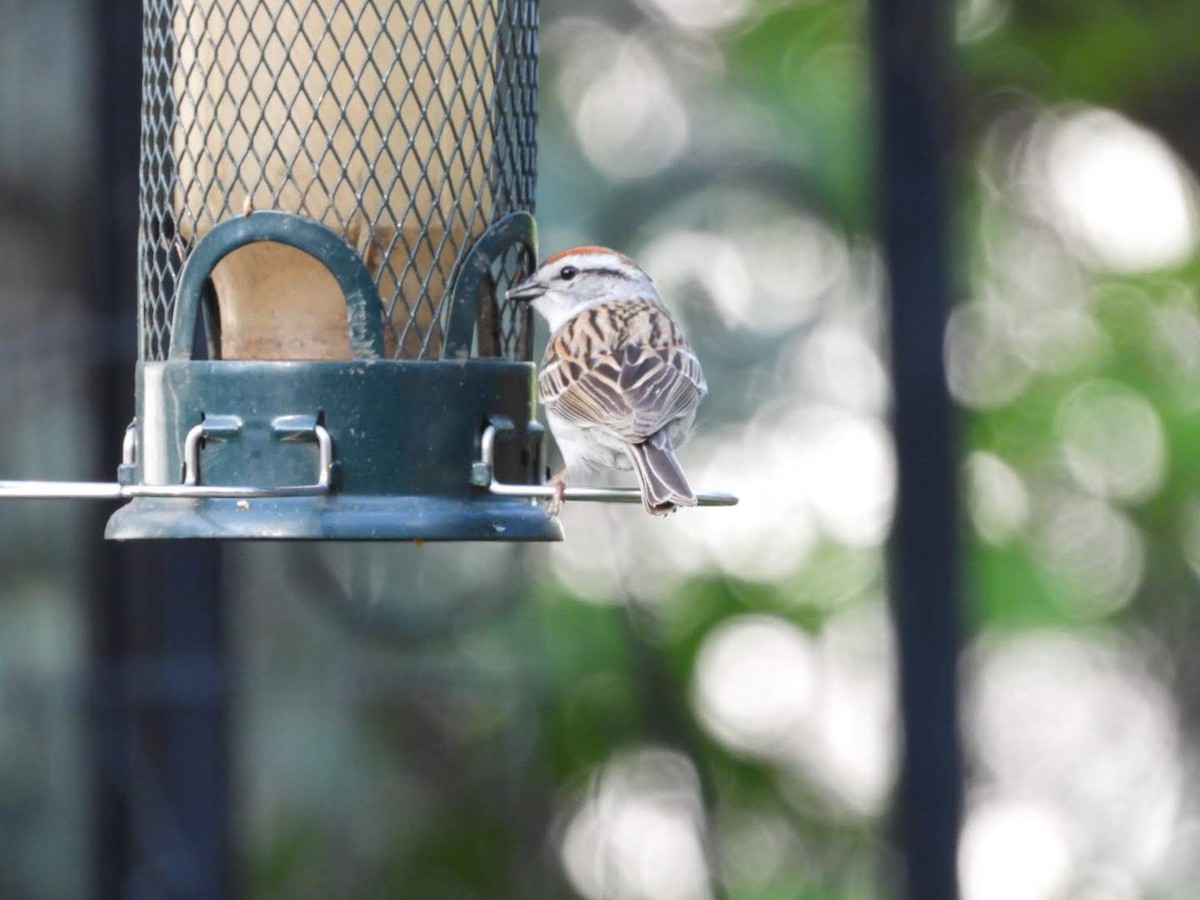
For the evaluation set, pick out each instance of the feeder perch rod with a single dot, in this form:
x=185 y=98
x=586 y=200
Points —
x=214 y=428
x=590 y=494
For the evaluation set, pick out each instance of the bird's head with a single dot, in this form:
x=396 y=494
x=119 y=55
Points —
x=575 y=279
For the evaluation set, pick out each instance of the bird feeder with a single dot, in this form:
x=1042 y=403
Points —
x=335 y=196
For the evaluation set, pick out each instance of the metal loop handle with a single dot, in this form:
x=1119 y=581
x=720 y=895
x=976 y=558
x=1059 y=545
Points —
x=224 y=428
x=483 y=474
x=364 y=312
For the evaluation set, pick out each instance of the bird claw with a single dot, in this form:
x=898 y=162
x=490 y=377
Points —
x=559 y=480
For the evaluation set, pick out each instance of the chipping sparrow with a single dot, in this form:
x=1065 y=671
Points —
x=619 y=381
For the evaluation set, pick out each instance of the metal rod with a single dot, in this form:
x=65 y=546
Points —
x=51 y=490
x=191 y=489
x=487 y=455
x=912 y=48
x=102 y=490
x=598 y=495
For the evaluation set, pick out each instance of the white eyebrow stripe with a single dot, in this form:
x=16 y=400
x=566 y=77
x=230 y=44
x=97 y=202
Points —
x=600 y=264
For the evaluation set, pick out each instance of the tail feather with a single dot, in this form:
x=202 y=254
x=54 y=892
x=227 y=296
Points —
x=664 y=486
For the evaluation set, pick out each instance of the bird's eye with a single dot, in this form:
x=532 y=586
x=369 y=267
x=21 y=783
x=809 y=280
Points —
x=566 y=273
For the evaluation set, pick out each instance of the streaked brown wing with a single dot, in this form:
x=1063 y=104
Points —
x=632 y=386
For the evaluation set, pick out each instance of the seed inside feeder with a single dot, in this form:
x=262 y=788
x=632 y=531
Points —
x=370 y=120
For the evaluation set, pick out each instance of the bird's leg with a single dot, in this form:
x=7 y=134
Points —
x=559 y=480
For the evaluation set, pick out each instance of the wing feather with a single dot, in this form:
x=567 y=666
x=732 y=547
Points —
x=625 y=368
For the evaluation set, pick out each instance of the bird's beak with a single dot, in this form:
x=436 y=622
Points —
x=529 y=289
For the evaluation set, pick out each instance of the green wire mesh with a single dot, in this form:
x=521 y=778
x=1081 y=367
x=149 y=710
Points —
x=407 y=127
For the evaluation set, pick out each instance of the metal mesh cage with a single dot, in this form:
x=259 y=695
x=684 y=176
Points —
x=406 y=126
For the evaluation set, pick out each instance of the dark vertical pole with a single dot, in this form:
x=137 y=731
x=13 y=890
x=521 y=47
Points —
x=912 y=46
x=156 y=681
x=111 y=232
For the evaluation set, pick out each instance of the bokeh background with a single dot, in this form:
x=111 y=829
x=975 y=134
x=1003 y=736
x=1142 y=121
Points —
x=703 y=706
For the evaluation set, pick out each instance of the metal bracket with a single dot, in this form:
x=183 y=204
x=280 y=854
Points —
x=483 y=475
x=216 y=428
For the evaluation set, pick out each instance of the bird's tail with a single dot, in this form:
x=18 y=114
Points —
x=664 y=486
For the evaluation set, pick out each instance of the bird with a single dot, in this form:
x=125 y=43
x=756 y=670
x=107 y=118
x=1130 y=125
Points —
x=619 y=381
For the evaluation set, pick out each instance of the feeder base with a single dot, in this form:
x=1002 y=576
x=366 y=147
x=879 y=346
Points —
x=346 y=518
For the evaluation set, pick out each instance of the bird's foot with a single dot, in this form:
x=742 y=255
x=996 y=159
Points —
x=559 y=480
